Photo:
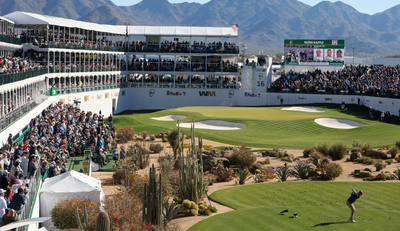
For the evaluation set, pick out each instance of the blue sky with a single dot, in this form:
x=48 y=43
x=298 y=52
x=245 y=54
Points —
x=364 y=6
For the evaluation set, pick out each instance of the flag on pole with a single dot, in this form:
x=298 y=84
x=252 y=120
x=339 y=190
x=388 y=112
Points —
x=126 y=29
x=235 y=27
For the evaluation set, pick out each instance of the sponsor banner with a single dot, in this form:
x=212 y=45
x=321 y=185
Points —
x=328 y=99
x=207 y=93
x=302 y=98
x=231 y=93
x=171 y=93
x=380 y=102
x=86 y=98
x=107 y=95
x=248 y=94
x=152 y=92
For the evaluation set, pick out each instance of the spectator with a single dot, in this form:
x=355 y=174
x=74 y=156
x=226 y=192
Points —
x=18 y=200
x=11 y=217
x=4 y=180
x=10 y=140
x=8 y=196
x=3 y=205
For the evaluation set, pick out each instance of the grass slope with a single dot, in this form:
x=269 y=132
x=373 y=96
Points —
x=319 y=205
x=270 y=126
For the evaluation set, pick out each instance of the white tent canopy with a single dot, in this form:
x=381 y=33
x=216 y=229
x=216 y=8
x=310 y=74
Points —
x=68 y=185
x=24 y=18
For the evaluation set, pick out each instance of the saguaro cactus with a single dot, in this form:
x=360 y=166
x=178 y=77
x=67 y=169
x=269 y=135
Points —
x=102 y=222
x=191 y=172
x=152 y=200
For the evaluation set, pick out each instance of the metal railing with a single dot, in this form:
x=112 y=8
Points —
x=14 y=115
x=9 y=39
x=11 y=78
x=31 y=195
x=82 y=69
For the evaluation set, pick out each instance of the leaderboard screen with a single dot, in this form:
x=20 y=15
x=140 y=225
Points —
x=318 y=52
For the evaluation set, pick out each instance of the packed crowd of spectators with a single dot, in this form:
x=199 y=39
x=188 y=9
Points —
x=182 y=47
x=12 y=65
x=373 y=80
x=61 y=131
x=181 y=65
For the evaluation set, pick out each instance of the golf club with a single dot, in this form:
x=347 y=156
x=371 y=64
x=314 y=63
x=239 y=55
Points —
x=348 y=182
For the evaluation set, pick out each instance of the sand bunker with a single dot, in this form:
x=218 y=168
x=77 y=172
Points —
x=303 y=109
x=215 y=125
x=338 y=123
x=170 y=118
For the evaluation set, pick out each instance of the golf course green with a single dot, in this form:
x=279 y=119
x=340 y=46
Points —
x=319 y=205
x=269 y=127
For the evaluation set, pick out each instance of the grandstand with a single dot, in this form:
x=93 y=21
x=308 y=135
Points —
x=105 y=69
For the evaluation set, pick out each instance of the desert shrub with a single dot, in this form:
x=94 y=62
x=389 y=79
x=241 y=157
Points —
x=243 y=158
x=337 y=151
x=364 y=148
x=124 y=211
x=331 y=171
x=172 y=137
x=270 y=174
x=316 y=158
x=216 y=162
x=125 y=134
x=398 y=144
x=389 y=161
x=262 y=176
x=365 y=160
x=63 y=214
x=144 y=134
x=278 y=152
x=156 y=148
x=393 y=151
x=120 y=175
x=259 y=178
x=134 y=184
x=308 y=151
x=322 y=148
x=166 y=167
x=301 y=171
x=152 y=137
x=243 y=176
x=397 y=158
x=211 y=179
x=224 y=174
x=379 y=165
x=363 y=174
x=215 y=152
x=139 y=154
x=356 y=149
x=356 y=144
x=126 y=163
x=397 y=173
x=356 y=171
x=282 y=173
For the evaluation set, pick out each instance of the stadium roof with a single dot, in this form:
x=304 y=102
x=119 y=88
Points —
x=22 y=19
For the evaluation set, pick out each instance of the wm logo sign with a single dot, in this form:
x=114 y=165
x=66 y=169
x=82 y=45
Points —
x=207 y=93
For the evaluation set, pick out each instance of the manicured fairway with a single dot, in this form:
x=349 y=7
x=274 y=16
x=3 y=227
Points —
x=319 y=205
x=270 y=126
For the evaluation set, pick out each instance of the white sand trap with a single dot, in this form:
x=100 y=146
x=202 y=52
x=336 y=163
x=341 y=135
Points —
x=303 y=109
x=338 y=123
x=215 y=125
x=170 y=118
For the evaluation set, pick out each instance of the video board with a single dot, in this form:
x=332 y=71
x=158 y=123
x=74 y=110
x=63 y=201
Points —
x=313 y=52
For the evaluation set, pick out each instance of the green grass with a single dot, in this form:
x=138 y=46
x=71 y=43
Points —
x=319 y=205
x=269 y=127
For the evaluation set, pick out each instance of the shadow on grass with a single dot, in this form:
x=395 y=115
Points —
x=331 y=223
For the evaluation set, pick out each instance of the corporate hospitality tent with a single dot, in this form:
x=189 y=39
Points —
x=68 y=185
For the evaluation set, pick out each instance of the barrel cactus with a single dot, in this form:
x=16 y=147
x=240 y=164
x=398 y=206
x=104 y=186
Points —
x=102 y=222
